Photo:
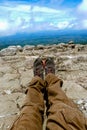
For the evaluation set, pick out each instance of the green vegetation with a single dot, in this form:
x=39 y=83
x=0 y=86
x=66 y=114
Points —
x=46 y=37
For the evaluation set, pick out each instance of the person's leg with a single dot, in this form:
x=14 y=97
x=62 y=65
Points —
x=62 y=112
x=31 y=116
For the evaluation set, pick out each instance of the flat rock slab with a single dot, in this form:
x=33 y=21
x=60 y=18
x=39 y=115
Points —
x=16 y=71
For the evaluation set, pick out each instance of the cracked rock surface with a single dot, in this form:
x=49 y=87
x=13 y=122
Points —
x=16 y=65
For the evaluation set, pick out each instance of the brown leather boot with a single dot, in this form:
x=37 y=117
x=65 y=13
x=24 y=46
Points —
x=38 y=68
x=49 y=66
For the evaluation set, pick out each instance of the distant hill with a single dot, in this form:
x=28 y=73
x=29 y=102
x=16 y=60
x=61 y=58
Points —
x=45 y=37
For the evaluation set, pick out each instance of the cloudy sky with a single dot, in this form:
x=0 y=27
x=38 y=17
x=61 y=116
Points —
x=35 y=15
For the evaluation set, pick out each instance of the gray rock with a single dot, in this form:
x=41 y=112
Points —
x=8 y=52
x=71 y=42
x=41 y=47
x=28 y=47
x=10 y=109
x=16 y=67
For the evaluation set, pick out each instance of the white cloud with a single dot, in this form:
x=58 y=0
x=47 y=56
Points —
x=21 y=17
x=83 y=6
x=11 y=27
x=60 y=25
x=84 y=24
x=63 y=25
x=3 y=25
x=22 y=8
x=28 y=8
x=71 y=25
x=38 y=19
x=44 y=9
x=81 y=14
x=16 y=7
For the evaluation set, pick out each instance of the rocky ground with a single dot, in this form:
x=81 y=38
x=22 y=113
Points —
x=16 y=65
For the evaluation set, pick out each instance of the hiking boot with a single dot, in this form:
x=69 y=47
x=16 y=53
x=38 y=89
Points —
x=49 y=66
x=38 y=68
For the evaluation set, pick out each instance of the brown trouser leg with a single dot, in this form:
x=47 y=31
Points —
x=31 y=117
x=62 y=112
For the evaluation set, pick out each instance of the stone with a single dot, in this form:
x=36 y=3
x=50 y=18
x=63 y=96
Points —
x=8 y=52
x=71 y=42
x=16 y=71
x=41 y=47
x=74 y=91
x=28 y=47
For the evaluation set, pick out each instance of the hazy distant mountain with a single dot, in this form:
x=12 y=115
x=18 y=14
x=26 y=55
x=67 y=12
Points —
x=45 y=37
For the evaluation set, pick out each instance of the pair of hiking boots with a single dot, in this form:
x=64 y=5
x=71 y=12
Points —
x=43 y=65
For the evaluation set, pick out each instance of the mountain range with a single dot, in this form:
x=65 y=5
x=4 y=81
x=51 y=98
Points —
x=45 y=37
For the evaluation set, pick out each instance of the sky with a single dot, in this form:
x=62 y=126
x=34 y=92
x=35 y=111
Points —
x=26 y=16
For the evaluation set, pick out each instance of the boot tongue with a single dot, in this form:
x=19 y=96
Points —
x=44 y=63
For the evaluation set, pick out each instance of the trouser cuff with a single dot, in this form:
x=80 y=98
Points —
x=52 y=79
x=37 y=83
